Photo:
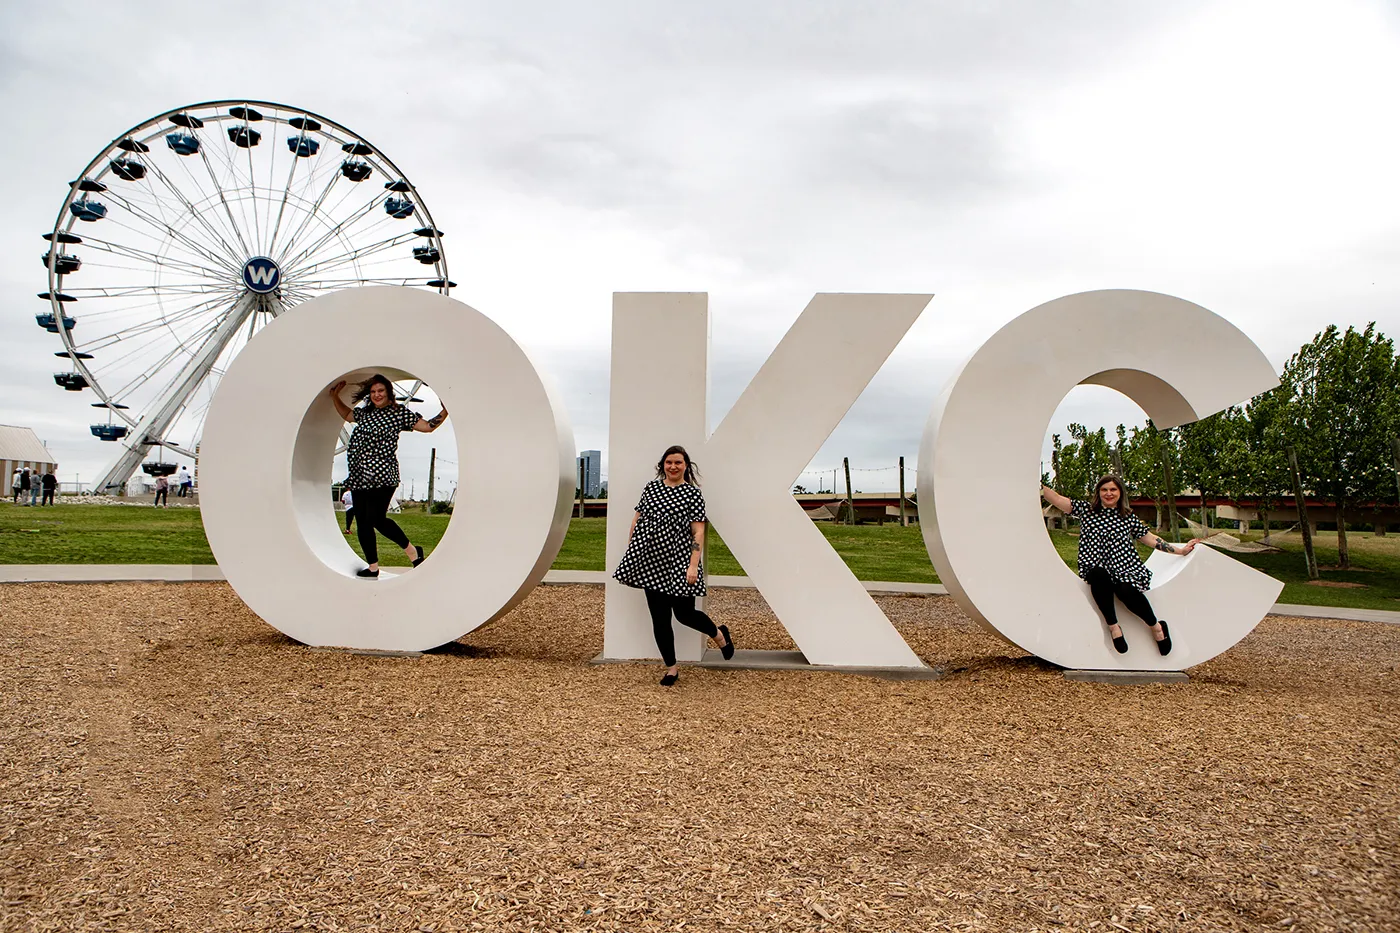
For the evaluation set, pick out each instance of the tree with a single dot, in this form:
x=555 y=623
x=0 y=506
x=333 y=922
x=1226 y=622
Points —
x=1341 y=407
x=1079 y=465
x=1149 y=458
x=1202 y=444
x=1263 y=435
x=799 y=490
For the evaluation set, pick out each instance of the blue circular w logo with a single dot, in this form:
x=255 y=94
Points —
x=261 y=275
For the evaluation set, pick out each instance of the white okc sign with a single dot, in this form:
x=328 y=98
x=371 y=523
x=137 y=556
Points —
x=266 y=462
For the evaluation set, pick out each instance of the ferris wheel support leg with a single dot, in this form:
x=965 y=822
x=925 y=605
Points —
x=167 y=406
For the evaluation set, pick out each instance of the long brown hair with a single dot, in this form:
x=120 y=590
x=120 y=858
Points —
x=368 y=385
x=692 y=472
x=1122 y=508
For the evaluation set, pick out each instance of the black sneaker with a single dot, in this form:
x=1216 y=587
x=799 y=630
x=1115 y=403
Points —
x=1165 y=644
x=727 y=649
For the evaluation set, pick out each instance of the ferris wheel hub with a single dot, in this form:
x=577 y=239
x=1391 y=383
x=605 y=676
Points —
x=261 y=275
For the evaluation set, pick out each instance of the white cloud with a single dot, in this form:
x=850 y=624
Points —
x=1238 y=154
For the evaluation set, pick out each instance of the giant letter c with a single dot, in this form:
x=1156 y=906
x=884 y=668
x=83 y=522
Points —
x=979 y=459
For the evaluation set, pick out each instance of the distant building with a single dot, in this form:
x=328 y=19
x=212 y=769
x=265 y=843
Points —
x=589 y=465
x=20 y=448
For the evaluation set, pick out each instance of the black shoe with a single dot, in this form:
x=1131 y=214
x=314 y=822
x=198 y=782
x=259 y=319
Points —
x=727 y=649
x=670 y=679
x=1164 y=644
x=1121 y=644
x=419 y=559
x=367 y=574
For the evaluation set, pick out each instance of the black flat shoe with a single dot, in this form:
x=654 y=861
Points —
x=367 y=574
x=419 y=559
x=1164 y=644
x=670 y=679
x=727 y=649
x=1121 y=644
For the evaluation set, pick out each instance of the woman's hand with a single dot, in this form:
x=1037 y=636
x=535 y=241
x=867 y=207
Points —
x=692 y=574
x=341 y=408
x=1188 y=547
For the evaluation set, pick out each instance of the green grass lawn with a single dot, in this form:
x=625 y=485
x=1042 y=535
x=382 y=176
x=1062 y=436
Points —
x=96 y=534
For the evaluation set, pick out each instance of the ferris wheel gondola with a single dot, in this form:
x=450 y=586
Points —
x=184 y=236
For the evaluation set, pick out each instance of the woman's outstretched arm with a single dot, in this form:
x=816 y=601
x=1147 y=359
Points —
x=341 y=407
x=429 y=425
x=1054 y=498
x=1153 y=541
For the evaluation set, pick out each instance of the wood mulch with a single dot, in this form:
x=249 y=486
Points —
x=168 y=762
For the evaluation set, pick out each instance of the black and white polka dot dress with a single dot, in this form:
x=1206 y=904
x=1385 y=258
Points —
x=1106 y=540
x=658 y=556
x=373 y=450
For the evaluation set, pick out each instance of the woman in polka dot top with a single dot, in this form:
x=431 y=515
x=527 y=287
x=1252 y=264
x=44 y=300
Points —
x=1109 y=563
x=373 y=457
x=663 y=556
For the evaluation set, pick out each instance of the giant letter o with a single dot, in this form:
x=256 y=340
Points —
x=266 y=459
x=979 y=462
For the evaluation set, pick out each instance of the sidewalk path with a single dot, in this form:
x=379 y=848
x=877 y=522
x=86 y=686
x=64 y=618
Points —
x=186 y=573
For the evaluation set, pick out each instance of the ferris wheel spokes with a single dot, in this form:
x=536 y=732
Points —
x=168 y=404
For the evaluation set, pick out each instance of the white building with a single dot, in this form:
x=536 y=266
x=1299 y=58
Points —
x=21 y=448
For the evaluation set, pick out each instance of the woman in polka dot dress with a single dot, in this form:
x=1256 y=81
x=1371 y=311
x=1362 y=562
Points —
x=373 y=455
x=663 y=556
x=1109 y=563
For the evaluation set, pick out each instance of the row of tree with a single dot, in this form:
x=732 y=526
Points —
x=1331 y=430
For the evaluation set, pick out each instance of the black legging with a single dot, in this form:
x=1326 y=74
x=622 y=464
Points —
x=349 y=516
x=372 y=512
x=662 y=605
x=162 y=495
x=1105 y=588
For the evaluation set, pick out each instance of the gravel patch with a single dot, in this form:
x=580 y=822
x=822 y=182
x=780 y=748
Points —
x=168 y=762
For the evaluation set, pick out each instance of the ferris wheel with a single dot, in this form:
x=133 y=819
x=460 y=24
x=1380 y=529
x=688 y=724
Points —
x=192 y=230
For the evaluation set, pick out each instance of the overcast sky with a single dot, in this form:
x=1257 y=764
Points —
x=1238 y=154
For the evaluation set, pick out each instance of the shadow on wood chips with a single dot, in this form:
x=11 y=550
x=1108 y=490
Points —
x=170 y=762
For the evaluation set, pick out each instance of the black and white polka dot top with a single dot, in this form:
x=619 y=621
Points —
x=373 y=450
x=1106 y=540
x=658 y=555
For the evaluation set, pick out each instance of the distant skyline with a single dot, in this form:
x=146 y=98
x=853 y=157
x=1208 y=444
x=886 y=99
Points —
x=1238 y=154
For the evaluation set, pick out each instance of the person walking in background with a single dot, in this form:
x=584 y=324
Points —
x=24 y=485
x=663 y=556
x=347 y=499
x=186 y=482
x=162 y=492
x=1109 y=563
x=14 y=485
x=373 y=456
x=50 y=482
x=36 y=482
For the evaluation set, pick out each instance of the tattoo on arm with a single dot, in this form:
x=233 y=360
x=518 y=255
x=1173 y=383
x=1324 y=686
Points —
x=437 y=420
x=1164 y=546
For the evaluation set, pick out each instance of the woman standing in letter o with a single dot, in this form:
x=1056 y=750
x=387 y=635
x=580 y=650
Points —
x=663 y=556
x=373 y=455
x=1107 y=560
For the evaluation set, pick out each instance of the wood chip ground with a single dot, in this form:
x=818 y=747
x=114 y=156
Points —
x=171 y=763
